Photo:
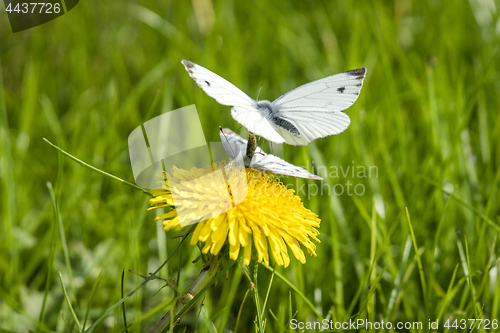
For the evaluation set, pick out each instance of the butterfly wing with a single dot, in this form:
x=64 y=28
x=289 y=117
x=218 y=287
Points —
x=224 y=92
x=262 y=161
x=217 y=87
x=253 y=120
x=315 y=108
x=274 y=164
x=230 y=140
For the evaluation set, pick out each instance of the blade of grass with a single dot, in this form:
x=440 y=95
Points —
x=471 y=284
x=494 y=189
x=465 y=267
x=419 y=261
x=487 y=269
x=92 y=294
x=64 y=244
x=268 y=291
x=228 y=301
x=50 y=264
x=107 y=312
x=289 y=284
x=496 y=298
x=98 y=170
x=397 y=280
x=290 y=311
x=256 y=297
x=8 y=197
x=202 y=291
x=282 y=328
x=437 y=238
x=461 y=201
x=449 y=295
x=212 y=328
x=71 y=327
x=123 y=304
x=73 y=314
x=240 y=311
x=362 y=285
x=162 y=306
x=11 y=303
x=373 y=249
x=371 y=291
x=472 y=99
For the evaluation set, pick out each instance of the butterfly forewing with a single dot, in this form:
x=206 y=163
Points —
x=331 y=94
x=217 y=87
x=315 y=108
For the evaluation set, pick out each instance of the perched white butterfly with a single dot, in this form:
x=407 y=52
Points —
x=303 y=114
x=260 y=160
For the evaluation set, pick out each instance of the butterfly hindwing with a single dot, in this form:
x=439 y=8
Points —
x=262 y=161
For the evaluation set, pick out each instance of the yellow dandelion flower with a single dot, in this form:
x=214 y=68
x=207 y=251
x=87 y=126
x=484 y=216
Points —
x=270 y=216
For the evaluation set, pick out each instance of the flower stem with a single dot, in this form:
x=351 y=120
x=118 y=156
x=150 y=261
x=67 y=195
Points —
x=208 y=276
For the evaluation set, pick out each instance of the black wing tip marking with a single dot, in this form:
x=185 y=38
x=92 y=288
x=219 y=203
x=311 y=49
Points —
x=188 y=63
x=189 y=66
x=359 y=73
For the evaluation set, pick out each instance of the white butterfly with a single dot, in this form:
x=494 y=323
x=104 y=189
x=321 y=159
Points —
x=260 y=160
x=303 y=114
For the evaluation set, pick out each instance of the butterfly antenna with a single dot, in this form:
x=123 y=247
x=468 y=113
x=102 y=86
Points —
x=225 y=137
x=262 y=85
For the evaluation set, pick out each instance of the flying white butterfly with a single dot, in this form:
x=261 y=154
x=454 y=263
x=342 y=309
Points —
x=260 y=160
x=303 y=114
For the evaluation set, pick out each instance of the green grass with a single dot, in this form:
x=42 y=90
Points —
x=427 y=118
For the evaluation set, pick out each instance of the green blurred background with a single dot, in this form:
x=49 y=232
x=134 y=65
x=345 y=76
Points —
x=427 y=118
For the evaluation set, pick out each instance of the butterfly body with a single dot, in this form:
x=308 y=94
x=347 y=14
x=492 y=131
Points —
x=273 y=115
x=250 y=149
